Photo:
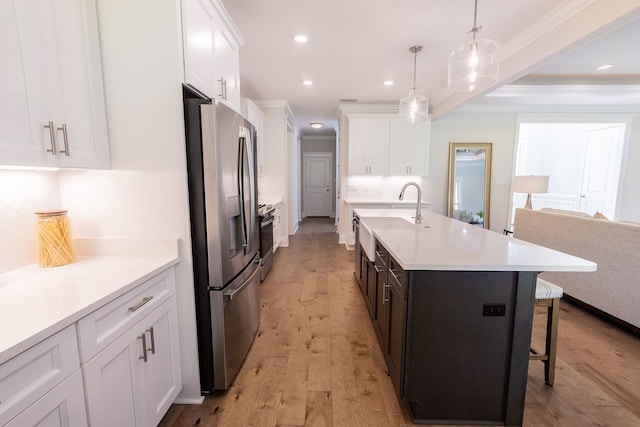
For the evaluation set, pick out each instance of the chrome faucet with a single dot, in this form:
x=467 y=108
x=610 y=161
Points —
x=418 y=205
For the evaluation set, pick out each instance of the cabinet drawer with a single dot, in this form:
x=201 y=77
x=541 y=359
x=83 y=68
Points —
x=381 y=255
x=397 y=276
x=103 y=326
x=28 y=376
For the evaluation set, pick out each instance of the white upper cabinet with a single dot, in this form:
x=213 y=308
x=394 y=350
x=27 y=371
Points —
x=211 y=49
x=368 y=146
x=52 y=109
x=409 y=148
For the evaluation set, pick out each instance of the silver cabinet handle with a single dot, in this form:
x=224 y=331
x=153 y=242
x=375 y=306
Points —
x=379 y=254
x=65 y=139
x=393 y=273
x=140 y=304
x=143 y=337
x=153 y=340
x=378 y=269
x=52 y=135
x=221 y=94
x=385 y=298
x=225 y=90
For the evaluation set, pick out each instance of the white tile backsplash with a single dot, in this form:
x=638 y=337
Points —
x=367 y=188
x=21 y=194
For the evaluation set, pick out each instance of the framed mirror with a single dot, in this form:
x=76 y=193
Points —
x=470 y=182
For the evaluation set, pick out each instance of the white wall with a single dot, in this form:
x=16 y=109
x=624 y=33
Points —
x=145 y=194
x=497 y=128
x=500 y=129
x=21 y=194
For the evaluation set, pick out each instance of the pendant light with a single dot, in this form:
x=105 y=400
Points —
x=414 y=108
x=474 y=63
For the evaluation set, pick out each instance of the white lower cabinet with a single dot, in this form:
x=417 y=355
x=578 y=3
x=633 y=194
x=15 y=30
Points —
x=277 y=225
x=139 y=373
x=63 y=406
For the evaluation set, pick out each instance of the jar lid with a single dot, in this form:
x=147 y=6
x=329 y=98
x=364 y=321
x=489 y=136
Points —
x=45 y=214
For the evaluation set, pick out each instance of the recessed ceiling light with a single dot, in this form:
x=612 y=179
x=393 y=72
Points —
x=604 y=67
x=300 y=38
x=388 y=83
x=316 y=125
x=307 y=82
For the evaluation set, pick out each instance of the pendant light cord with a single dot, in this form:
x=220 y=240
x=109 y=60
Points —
x=415 y=50
x=475 y=27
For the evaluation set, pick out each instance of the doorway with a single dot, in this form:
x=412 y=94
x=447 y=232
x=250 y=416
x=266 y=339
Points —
x=584 y=162
x=317 y=184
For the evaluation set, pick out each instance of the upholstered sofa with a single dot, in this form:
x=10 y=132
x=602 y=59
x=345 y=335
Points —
x=615 y=246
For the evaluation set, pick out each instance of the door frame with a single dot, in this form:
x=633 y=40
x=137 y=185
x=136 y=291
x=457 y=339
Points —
x=305 y=197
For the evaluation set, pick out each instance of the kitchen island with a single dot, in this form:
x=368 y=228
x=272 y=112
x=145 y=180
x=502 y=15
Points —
x=452 y=305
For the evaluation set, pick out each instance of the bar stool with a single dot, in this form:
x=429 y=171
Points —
x=548 y=295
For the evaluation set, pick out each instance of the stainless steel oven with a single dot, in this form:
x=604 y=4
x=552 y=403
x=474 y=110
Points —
x=266 y=240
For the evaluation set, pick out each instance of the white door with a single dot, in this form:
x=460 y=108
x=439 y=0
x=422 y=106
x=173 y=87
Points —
x=317 y=186
x=601 y=171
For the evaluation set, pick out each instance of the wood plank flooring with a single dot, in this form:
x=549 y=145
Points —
x=316 y=361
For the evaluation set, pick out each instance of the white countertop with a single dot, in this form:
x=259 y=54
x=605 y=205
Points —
x=35 y=302
x=269 y=199
x=442 y=243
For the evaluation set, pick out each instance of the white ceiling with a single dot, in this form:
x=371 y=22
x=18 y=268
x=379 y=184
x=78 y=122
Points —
x=353 y=47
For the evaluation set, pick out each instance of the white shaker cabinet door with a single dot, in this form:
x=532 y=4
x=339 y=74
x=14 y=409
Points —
x=114 y=378
x=227 y=67
x=51 y=60
x=358 y=161
x=24 y=100
x=63 y=406
x=378 y=147
x=199 y=45
x=80 y=116
x=409 y=148
x=163 y=377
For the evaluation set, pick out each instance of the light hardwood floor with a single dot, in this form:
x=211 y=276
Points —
x=316 y=360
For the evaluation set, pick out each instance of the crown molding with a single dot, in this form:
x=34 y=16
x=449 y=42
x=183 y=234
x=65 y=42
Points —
x=228 y=22
x=357 y=108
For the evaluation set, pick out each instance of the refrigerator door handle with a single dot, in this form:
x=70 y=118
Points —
x=253 y=220
x=236 y=291
x=241 y=172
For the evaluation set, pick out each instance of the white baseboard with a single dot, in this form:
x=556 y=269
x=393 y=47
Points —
x=187 y=401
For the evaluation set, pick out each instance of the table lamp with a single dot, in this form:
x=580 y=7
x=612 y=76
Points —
x=531 y=184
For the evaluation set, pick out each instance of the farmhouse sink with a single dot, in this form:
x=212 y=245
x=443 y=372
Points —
x=367 y=225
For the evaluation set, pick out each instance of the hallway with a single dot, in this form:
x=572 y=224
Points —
x=316 y=361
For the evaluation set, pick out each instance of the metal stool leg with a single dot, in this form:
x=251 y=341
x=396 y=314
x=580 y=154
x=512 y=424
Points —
x=551 y=344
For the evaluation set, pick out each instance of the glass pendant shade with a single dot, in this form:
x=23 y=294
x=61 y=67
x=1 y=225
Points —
x=414 y=108
x=474 y=65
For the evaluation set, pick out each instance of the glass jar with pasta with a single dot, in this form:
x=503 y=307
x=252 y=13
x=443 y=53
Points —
x=54 y=238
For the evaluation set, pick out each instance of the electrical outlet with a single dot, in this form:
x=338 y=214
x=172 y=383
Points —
x=494 y=310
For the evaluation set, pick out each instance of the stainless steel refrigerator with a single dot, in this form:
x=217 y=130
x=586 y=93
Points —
x=221 y=166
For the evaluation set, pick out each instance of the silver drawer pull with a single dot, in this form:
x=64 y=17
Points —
x=153 y=341
x=143 y=337
x=378 y=269
x=65 y=139
x=385 y=298
x=52 y=135
x=140 y=304
x=393 y=273
x=379 y=254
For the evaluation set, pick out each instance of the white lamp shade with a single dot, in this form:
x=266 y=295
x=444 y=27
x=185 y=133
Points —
x=414 y=108
x=474 y=64
x=531 y=184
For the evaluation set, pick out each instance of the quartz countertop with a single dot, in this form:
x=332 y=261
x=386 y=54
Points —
x=442 y=243
x=35 y=302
